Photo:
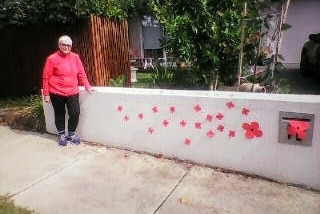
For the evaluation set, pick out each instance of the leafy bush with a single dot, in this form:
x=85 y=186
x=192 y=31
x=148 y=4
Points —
x=29 y=112
x=162 y=76
x=187 y=78
x=119 y=82
x=25 y=12
x=7 y=206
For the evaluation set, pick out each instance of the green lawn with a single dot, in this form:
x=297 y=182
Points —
x=144 y=80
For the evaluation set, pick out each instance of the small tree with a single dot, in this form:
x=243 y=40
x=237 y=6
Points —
x=266 y=43
x=208 y=33
x=23 y=12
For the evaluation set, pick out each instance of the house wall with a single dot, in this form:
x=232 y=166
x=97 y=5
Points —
x=145 y=40
x=245 y=132
x=135 y=37
x=151 y=37
x=303 y=16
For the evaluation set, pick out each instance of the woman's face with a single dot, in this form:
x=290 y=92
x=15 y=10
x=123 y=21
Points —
x=64 y=48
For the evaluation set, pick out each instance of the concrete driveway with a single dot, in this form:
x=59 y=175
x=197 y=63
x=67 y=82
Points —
x=299 y=84
x=86 y=179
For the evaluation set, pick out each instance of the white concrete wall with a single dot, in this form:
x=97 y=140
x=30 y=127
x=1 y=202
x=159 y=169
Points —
x=185 y=124
x=303 y=16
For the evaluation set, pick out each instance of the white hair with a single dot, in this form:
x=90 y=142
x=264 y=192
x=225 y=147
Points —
x=65 y=40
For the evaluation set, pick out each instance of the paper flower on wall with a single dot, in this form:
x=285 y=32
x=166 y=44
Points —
x=150 y=130
x=172 y=109
x=245 y=111
x=197 y=108
x=187 y=141
x=155 y=109
x=165 y=123
x=230 y=104
x=219 y=116
x=126 y=118
x=120 y=108
x=197 y=125
x=232 y=133
x=209 y=117
x=298 y=129
x=252 y=130
x=210 y=134
x=183 y=123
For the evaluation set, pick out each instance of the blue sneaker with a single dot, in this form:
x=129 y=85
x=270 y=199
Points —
x=74 y=139
x=62 y=140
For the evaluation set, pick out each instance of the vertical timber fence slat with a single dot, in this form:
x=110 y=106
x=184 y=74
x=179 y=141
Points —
x=102 y=44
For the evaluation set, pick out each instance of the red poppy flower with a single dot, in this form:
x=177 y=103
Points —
x=165 y=123
x=183 y=123
x=187 y=141
x=150 y=130
x=298 y=129
x=126 y=118
x=219 y=116
x=197 y=125
x=210 y=134
x=220 y=128
x=140 y=115
x=232 y=133
x=155 y=109
x=252 y=130
x=230 y=104
x=172 y=109
x=245 y=111
x=209 y=117
x=120 y=108
x=197 y=108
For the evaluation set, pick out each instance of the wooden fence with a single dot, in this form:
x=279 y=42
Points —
x=102 y=44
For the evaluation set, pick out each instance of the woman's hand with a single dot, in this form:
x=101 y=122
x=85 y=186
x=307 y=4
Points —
x=47 y=98
x=89 y=90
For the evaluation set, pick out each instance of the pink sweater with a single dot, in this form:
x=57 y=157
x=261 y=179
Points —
x=62 y=74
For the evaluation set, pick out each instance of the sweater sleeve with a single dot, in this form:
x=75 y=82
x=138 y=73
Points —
x=82 y=76
x=46 y=75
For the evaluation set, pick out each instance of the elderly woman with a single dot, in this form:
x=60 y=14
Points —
x=62 y=73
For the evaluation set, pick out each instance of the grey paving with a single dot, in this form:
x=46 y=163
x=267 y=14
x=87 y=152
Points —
x=51 y=179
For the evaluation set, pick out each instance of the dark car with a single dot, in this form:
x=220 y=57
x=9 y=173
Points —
x=310 y=55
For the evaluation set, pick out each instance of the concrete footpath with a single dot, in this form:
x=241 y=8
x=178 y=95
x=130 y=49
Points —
x=86 y=179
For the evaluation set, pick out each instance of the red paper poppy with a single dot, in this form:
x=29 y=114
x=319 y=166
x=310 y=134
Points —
x=140 y=115
x=197 y=125
x=183 y=123
x=197 y=108
x=150 y=130
x=252 y=130
x=210 y=134
x=230 y=104
x=232 y=133
x=155 y=109
x=187 y=141
x=165 y=123
x=220 y=128
x=172 y=109
x=120 y=108
x=126 y=118
x=219 y=116
x=245 y=111
x=298 y=129
x=209 y=117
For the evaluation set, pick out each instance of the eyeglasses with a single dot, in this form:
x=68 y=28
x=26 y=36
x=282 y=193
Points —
x=66 y=45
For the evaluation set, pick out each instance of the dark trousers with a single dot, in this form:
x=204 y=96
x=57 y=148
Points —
x=59 y=104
